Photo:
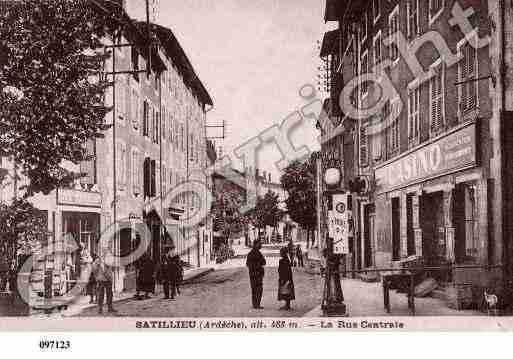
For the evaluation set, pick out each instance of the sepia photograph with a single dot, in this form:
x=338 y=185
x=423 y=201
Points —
x=279 y=165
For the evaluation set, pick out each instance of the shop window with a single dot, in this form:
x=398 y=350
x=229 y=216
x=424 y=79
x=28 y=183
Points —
x=396 y=229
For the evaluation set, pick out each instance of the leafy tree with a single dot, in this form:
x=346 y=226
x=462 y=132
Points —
x=266 y=211
x=298 y=179
x=52 y=97
x=228 y=199
x=51 y=93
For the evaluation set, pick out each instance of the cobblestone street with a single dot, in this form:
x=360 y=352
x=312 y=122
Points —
x=226 y=293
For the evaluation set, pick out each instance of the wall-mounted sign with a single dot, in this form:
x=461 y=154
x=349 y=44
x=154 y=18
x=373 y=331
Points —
x=73 y=197
x=449 y=154
x=340 y=224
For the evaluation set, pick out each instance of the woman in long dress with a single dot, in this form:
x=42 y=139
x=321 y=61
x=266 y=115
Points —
x=285 y=280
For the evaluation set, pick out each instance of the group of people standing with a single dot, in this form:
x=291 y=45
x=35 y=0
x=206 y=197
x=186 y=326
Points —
x=256 y=262
x=169 y=272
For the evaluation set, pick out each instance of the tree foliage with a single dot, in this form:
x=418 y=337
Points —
x=266 y=211
x=298 y=179
x=228 y=199
x=52 y=100
x=51 y=92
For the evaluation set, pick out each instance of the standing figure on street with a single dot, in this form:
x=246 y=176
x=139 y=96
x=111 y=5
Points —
x=145 y=276
x=104 y=277
x=285 y=280
x=179 y=280
x=299 y=256
x=256 y=263
x=91 y=283
x=291 y=251
x=169 y=273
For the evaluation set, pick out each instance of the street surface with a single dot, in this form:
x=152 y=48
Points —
x=226 y=293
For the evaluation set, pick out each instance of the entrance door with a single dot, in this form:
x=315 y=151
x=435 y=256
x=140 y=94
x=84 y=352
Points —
x=433 y=229
x=368 y=235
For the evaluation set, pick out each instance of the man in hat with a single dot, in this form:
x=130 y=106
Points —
x=169 y=272
x=104 y=277
x=255 y=262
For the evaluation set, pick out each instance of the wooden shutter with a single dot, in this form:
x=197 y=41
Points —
x=471 y=75
x=88 y=166
x=147 y=177
x=145 y=118
x=153 y=178
x=364 y=152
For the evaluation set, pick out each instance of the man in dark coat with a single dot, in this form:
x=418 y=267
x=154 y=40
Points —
x=145 y=276
x=169 y=273
x=255 y=262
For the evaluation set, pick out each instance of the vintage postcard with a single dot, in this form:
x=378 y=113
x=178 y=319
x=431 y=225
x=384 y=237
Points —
x=256 y=165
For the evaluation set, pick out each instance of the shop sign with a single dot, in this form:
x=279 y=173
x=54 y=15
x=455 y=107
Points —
x=340 y=224
x=449 y=154
x=73 y=197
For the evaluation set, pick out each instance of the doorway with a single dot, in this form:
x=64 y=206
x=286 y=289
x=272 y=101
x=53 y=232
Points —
x=368 y=235
x=433 y=230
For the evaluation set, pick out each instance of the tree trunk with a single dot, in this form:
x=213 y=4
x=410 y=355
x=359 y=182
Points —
x=313 y=237
x=307 y=238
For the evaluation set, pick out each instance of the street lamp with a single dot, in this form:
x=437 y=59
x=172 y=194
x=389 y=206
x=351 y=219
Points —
x=333 y=297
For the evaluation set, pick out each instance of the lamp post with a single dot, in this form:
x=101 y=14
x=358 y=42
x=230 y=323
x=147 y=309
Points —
x=333 y=297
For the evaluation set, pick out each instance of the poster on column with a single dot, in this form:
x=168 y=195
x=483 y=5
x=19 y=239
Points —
x=340 y=224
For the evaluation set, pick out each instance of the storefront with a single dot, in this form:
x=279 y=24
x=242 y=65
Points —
x=430 y=206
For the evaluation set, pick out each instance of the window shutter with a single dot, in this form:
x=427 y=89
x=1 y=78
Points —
x=163 y=123
x=153 y=178
x=145 y=118
x=471 y=75
x=88 y=166
x=364 y=154
x=147 y=177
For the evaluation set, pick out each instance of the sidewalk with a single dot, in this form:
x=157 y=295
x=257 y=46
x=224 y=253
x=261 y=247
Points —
x=82 y=303
x=366 y=299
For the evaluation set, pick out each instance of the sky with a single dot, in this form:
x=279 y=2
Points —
x=252 y=56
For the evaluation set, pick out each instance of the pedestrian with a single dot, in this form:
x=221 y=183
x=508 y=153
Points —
x=256 y=262
x=169 y=273
x=285 y=280
x=299 y=256
x=104 y=278
x=91 y=283
x=179 y=280
x=291 y=252
x=145 y=276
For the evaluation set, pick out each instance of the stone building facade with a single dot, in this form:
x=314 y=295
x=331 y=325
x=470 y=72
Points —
x=157 y=141
x=431 y=151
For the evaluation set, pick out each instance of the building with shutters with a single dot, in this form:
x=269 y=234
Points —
x=157 y=141
x=432 y=152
